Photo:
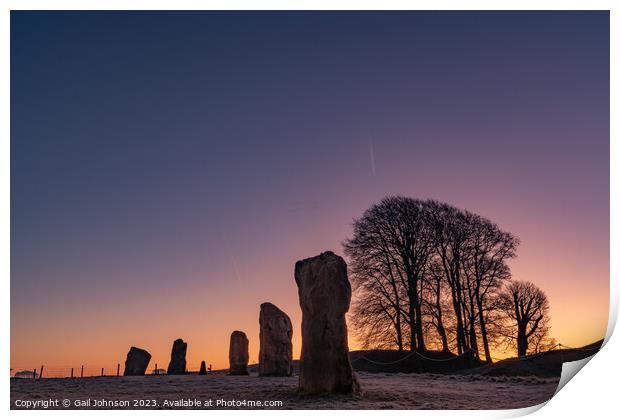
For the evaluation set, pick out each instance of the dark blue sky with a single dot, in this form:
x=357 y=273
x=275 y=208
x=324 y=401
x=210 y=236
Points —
x=156 y=153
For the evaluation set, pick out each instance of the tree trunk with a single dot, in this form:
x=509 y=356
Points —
x=417 y=325
x=473 y=339
x=473 y=336
x=412 y=335
x=399 y=332
x=483 y=330
x=465 y=322
x=398 y=322
x=440 y=328
x=444 y=338
x=459 y=323
x=521 y=342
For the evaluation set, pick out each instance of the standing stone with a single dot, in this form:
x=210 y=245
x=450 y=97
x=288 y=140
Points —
x=276 y=349
x=324 y=296
x=177 y=363
x=238 y=354
x=203 y=368
x=136 y=362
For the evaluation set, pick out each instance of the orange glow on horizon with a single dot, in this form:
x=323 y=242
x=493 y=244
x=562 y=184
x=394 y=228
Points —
x=98 y=332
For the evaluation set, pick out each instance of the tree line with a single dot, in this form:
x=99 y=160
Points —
x=428 y=275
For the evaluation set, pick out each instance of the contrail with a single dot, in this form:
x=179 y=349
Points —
x=372 y=157
x=236 y=267
x=231 y=256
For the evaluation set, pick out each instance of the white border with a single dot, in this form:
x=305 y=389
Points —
x=593 y=395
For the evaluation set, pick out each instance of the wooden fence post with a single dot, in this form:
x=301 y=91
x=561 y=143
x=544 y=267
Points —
x=82 y=372
x=34 y=373
x=118 y=369
x=101 y=371
x=41 y=372
x=156 y=371
x=71 y=372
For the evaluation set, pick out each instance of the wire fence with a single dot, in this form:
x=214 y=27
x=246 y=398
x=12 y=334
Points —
x=495 y=360
x=556 y=347
x=91 y=371
x=411 y=354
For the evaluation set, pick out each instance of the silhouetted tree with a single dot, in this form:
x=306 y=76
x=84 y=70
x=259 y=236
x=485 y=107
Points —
x=485 y=267
x=376 y=316
x=527 y=307
x=375 y=278
x=389 y=252
x=434 y=303
x=430 y=272
x=449 y=229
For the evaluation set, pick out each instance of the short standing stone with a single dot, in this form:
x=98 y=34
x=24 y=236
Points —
x=238 y=354
x=276 y=349
x=177 y=365
x=203 y=368
x=136 y=362
x=324 y=296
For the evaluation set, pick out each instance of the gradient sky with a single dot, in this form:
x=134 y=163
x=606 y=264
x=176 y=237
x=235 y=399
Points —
x=168 y=169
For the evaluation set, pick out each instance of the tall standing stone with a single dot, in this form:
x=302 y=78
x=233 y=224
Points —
x=136 y=362
x=177 y=365
x=203 y=368
x=238 y=354
x=276 y=349
x=324 y=296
